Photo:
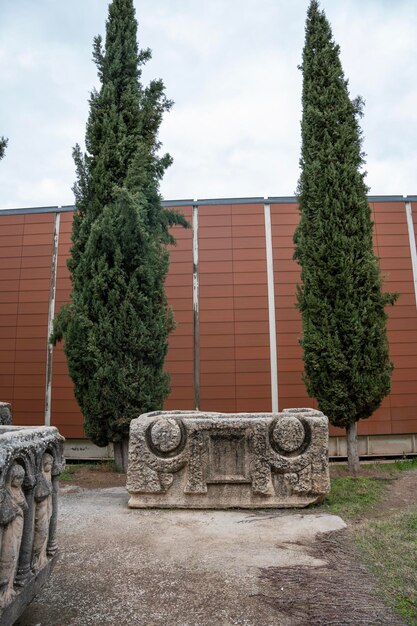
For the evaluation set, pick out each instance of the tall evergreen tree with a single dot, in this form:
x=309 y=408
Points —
x=346 y=356
x=3 y=144
x=116 y=326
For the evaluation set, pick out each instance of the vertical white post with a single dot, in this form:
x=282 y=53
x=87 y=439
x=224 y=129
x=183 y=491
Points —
x=196 y=328
x=51 y=314
x=271 y=308
x=412 y=239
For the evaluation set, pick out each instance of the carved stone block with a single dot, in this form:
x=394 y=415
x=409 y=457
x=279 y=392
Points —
x=31 y=460
x=190 y=459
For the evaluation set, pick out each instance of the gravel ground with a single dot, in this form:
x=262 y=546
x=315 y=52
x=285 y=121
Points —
x=176 y=568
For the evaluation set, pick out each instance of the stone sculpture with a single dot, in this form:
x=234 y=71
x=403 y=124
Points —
x=43 y=514
x=31 y=460
x=5 y=413
x=11 y=520
x=216 y=460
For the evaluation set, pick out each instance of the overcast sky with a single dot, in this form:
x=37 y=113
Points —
x=231 y=68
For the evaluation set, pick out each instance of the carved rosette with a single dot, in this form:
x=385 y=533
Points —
x=216 y=460
x=31 y=460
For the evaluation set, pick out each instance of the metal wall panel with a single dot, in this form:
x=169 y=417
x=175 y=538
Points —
x=284 y=218
x=232 y=329
x=25 y=258
x=179 y=289
x=398 y=412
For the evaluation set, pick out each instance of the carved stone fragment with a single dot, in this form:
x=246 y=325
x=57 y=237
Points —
x=11 y=520
x=5 y=413
x=31 y=460
x=43 y=513
x=190 y=459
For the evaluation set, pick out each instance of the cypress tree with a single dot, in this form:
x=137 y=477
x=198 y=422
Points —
x=3 y=144
x=116 y=326
x=345 y=349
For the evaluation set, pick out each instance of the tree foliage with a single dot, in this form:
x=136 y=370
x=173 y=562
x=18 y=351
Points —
x=3 y=144
x=346 y=356
x=116 y=326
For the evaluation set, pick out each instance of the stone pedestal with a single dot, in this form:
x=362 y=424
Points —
x=190 y=459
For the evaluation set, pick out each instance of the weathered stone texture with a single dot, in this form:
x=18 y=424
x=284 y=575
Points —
x=190 y=459
x=5 y=413
x=31 y=460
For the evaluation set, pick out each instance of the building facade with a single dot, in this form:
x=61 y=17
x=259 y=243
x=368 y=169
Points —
x=232 y=285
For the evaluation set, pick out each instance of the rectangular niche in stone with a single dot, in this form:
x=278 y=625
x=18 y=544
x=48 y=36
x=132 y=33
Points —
x=191 y=459
x=227 y=458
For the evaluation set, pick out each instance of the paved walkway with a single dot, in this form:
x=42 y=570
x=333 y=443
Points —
x=170 y=568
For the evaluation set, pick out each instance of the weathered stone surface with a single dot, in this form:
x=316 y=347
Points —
x=31 y=460
x=190 y=459
x=5 y=413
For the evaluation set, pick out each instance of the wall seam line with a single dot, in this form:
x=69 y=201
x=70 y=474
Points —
x=412 y=240
x=271 y=309
x=196 y=310
x=51 y=314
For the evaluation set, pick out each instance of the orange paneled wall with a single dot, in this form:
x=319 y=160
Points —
x=292 y=392
x=398 y=413
x=217 y=318
x=233 y=333
x=25 y=253
x=179 y=289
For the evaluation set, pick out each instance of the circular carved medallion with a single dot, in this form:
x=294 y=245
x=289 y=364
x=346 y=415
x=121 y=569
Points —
x=166 y=434
x=288 y=433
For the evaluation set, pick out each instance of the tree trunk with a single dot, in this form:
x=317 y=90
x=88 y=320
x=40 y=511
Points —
x=352 y=449
x=121 y=450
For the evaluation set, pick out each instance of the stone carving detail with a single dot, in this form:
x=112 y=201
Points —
x=43 y=513
x=288 y=433
x=165 y=435
x=11 y=519
x=31 y=460
x=5 y=413
x=191 y=459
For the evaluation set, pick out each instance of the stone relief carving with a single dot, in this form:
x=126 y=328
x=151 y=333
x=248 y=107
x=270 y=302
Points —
x=11 y=520
x=216 y=460
x=31 y=460
x=5 y=413
x=43 y=513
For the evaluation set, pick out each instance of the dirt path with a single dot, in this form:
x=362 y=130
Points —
x=401 y=497
x=341 y=593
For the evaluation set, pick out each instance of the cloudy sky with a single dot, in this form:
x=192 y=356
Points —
x=231 y=68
